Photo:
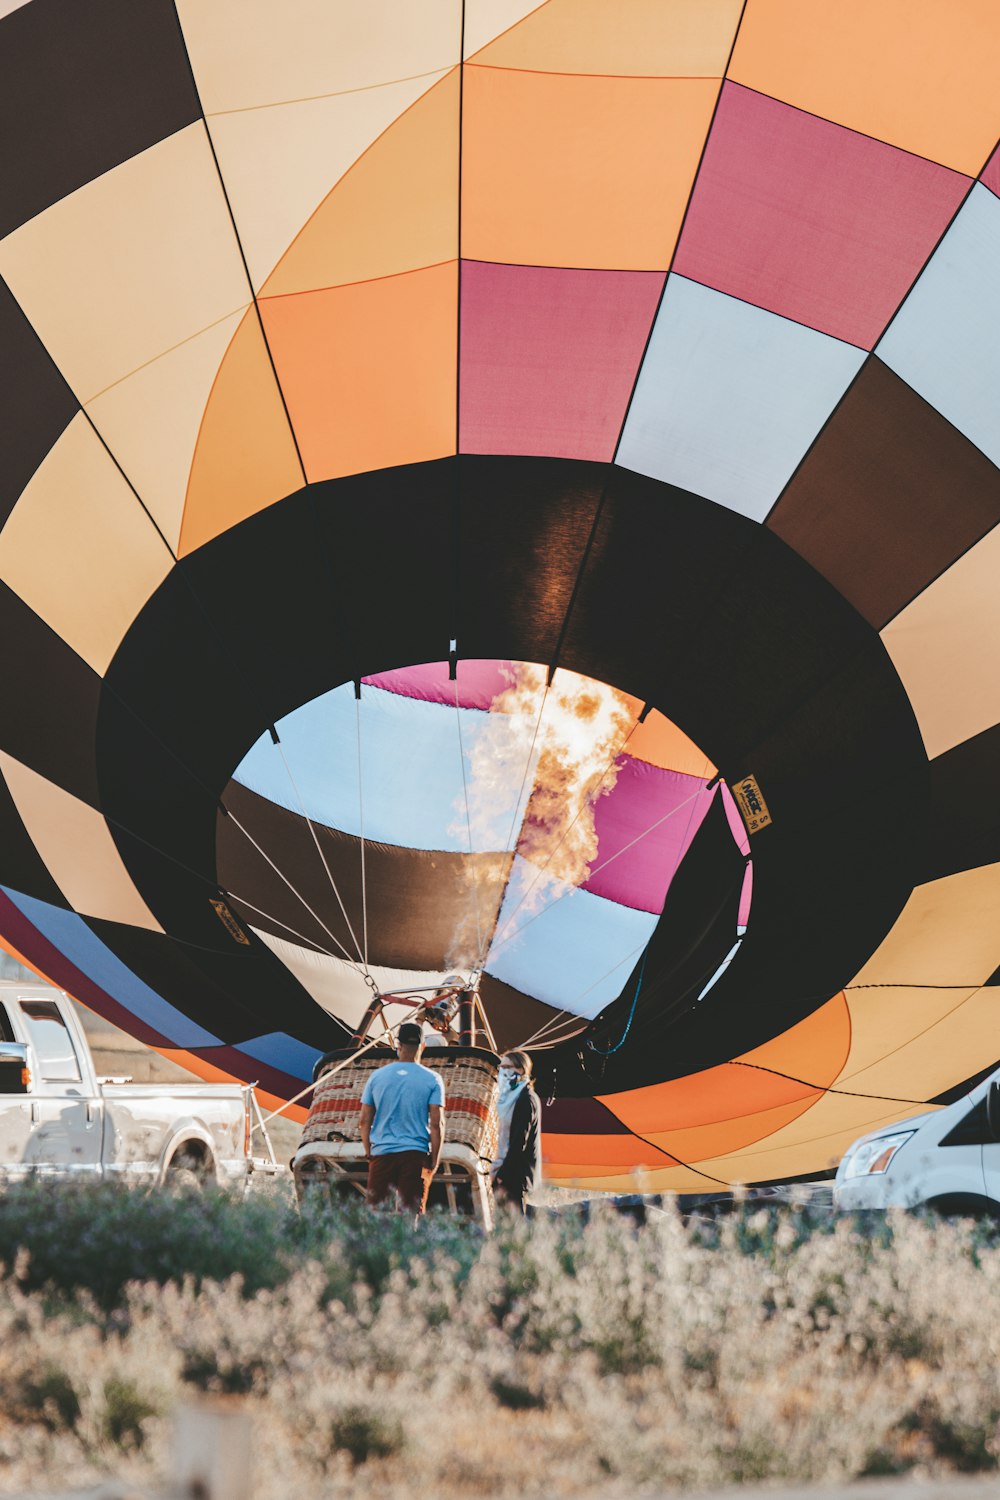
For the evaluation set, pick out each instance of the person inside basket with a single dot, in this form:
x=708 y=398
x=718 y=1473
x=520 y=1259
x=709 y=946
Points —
x=517 y=1167
x=402 y=1124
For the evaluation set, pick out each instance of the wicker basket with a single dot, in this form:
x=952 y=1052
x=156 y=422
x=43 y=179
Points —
x=470 y=1093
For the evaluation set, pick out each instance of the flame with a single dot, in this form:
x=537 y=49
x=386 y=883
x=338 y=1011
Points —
x=538 y=767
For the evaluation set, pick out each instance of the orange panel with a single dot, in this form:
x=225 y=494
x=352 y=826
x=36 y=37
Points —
x=703 y=1141
x=724 y=1093
x=646 y=38
x=396 y=209
x=660 y=743
x=579 y=171
x=368 y=371
x=611 y=1151
x=815 y=1049
x=245 y=458
x=922 y=77
x=209 y=1074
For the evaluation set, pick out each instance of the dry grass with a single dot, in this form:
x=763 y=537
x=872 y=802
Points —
x=556 y=1356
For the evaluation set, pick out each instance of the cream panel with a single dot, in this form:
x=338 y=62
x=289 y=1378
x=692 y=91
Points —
x=947 y=933
x=485 y=20
x=885 y=1021
x=130 y=265
x=944 y=647
x=76 y=847
x=280 y=163
x=251 y=52
x=662 y=1180
x=151 y=420
x=79 y=549
x=334 y=984
x=962 y=1042
x=815 y=1142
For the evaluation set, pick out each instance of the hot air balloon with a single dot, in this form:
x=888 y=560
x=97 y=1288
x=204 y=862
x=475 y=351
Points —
x=511 y=489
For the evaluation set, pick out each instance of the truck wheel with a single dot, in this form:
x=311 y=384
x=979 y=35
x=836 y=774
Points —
x=188 y=1171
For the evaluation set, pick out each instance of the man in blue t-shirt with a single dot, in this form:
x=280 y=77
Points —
x=402 y=1124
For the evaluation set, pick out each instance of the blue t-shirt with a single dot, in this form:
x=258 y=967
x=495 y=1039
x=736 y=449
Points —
x=402 y=1093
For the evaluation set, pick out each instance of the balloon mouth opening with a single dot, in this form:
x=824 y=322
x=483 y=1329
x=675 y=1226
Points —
x=535 y=818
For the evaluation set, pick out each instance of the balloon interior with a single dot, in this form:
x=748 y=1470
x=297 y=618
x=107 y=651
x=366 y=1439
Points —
x=499 y=503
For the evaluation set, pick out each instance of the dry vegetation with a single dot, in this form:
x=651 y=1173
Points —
x=559 y=1357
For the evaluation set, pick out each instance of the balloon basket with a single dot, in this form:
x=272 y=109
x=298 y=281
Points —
x=329 y=1160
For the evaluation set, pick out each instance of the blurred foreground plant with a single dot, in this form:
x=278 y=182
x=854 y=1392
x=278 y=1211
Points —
x=559 y=1354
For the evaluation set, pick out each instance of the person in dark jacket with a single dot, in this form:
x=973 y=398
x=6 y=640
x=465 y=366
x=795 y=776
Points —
x=517 y=1167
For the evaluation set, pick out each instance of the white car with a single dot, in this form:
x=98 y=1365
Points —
x=947 y=1160
x=57 y=1118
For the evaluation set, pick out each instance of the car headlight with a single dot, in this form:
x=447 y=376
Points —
x=872 y=1157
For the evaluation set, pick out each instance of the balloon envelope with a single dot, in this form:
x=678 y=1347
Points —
x=387 y=384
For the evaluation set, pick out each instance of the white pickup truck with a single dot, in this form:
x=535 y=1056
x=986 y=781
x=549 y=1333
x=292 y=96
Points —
x=58 y=1118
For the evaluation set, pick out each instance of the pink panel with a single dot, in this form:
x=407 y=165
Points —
x=478 y=682
x=811 y=220
x=737 y=827
x=549 y=357
x=746 y=897
x=642 y=796
x=991 y=173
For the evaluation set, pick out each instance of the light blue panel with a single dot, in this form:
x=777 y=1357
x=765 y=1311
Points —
x=730 y=397
x=945 y=339
x=71 y=935
x=411 y=769
x=279 y=1050
x=575 y=953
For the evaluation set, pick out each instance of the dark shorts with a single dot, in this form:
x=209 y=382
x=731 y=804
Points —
x=407 y=1171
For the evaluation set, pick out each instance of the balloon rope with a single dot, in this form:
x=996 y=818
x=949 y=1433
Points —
x=568 y=1010
x=468 y=824
x=308 y=941
x=540 y=870
x=510 y=844
x=297 y=894
x=361 y=820
x=339 y=1067
x=319 y=851
x=598 y=868
x=609 y=1051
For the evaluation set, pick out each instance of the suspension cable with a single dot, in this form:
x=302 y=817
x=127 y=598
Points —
x=468 y=822
x=511 y=841
x=540 y=869
x=597 y=869
x=569 y=1011
x=319 y=851
x=299 y=897
x=361 y=821
x=308 y=941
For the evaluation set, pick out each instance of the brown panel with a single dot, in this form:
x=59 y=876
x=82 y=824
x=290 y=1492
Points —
x=82 y=88
x=516 y=1017
x=416 y=898
x=37 y=404
x=889 y=497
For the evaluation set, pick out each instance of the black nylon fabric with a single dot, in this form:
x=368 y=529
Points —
x=707 y=616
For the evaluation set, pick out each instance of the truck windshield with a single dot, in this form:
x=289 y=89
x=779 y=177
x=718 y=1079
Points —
x=51 y=1040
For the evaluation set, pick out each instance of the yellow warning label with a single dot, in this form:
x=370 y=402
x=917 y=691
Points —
x=229 y=922
x=750 y=801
